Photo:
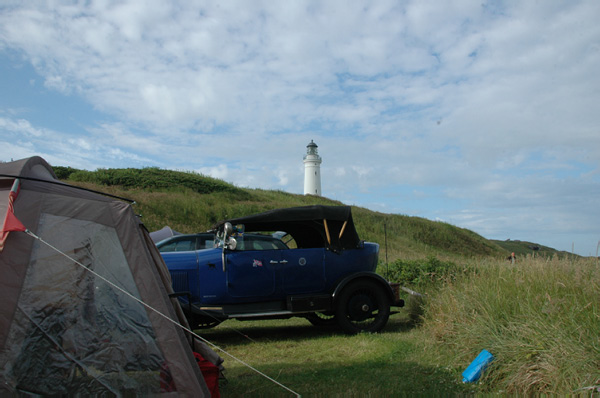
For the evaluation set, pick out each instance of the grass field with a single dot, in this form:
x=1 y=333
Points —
x=321 y=362
x=539 y=318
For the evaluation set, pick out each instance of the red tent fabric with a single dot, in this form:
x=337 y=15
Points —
x=11 y=222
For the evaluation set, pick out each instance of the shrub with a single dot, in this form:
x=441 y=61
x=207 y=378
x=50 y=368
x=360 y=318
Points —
x=422 y=273
x=63 y=172
x=153 y=178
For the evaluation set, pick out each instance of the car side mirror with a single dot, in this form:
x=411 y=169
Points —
x=229 y=242
x=227 y=229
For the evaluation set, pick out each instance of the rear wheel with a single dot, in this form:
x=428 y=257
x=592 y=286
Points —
x=363 y=306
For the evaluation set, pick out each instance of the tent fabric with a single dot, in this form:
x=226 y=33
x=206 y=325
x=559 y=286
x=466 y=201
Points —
x=34 y=167
x=306 y=224
x=64 y=331
x=196 y=344
x=163 y=233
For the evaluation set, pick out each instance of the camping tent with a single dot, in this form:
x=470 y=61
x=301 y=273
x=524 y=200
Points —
x=66 y=326
x=164 y=233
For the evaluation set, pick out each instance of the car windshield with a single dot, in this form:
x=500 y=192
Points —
x=203 y=241
x=259 y=242
x=181 y=243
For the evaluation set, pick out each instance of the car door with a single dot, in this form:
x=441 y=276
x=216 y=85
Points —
x=211 y=278
x=302 y=270
x=251 y=273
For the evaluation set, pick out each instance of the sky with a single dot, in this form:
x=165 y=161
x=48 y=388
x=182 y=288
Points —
x=481 y=114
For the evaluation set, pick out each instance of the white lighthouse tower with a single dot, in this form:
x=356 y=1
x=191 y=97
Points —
x=312 y=170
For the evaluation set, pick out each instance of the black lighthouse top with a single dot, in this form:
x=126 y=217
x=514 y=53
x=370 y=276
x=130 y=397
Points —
x=311 y=149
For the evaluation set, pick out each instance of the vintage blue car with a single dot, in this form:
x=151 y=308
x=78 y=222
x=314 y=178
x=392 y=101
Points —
x=308 y=262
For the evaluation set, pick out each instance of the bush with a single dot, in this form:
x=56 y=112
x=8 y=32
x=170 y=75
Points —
x=422 y=273
x=152 y=178
x=63 y=172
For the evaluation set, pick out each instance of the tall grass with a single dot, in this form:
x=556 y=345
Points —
x=539 y=318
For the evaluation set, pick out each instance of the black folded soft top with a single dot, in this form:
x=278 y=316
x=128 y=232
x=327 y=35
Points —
x=311 y=226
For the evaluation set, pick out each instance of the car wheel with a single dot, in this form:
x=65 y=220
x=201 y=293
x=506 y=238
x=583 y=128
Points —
x=362 y=306
x=321 y=319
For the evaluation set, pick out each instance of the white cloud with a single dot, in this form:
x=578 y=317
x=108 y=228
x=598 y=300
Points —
x=20 y=126
x=492 y=106
x=221 y=172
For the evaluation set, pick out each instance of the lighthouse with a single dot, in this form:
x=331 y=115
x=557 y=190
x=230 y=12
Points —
x=312 y=170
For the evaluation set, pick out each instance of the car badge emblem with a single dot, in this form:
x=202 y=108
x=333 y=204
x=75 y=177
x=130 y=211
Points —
x=257 y=263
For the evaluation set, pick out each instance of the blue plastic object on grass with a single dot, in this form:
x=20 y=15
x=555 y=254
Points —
x=473 y=372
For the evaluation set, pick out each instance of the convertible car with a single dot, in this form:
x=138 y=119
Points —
x=301 y=261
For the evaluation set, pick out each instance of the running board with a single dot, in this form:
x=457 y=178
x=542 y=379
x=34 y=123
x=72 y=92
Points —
x=262 y=314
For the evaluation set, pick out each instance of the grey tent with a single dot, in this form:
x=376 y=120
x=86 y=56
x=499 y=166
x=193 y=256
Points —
x=64 y=330
x=164 y=233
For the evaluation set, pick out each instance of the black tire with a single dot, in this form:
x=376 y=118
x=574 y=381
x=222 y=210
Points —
x=321 y=319
x=363 y=306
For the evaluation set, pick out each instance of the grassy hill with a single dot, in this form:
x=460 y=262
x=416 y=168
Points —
x=524 y=248
x=190 y=202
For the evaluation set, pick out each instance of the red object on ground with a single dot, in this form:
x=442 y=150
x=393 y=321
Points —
x=210 y=373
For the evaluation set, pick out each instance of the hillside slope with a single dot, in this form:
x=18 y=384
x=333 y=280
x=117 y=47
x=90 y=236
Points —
x=190 y=202
x=524 y=248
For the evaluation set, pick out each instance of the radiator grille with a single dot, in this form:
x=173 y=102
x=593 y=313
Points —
x=180 y=281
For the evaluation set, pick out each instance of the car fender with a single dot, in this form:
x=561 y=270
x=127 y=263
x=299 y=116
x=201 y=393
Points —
x=366 y=275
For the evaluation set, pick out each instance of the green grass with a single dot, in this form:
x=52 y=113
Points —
x=321 y=362
x=524 y=248
x=422 y=273
x=540 y=319
x=150 y=178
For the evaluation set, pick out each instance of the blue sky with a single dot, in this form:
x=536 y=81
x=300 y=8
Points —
x=484 y=115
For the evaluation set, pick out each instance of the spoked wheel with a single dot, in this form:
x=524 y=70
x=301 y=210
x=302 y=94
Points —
x=321 y=318
x=363 y=306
